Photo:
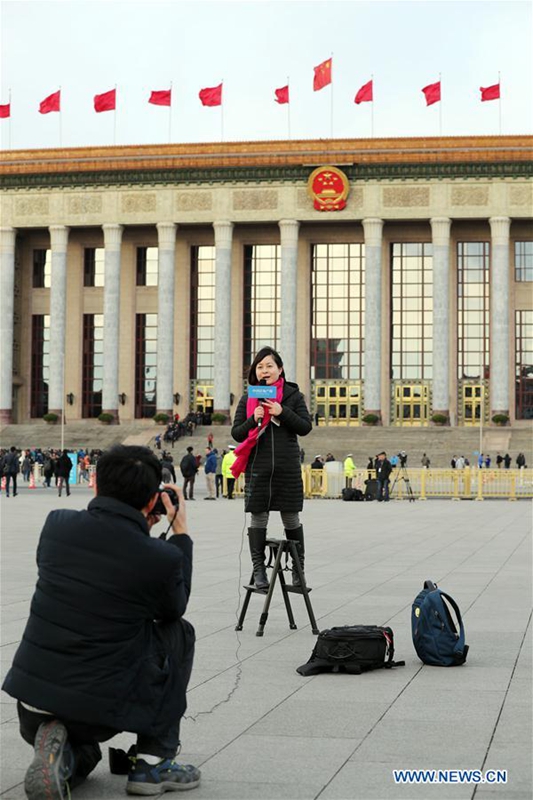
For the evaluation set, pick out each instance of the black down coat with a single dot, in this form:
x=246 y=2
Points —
x=274 y=473
x=90 y=651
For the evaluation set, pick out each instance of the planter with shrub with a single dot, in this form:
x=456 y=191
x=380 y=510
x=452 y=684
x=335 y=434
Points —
x=439 y=419
x=370 y=419
x=105 y=418
x=218 y=419
x=51 y=418
x=161 y=418
x=500 y=419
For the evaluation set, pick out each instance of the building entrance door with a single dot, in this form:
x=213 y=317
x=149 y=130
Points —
x=472 y=402
x=337 y=403
x=411 y=404
x=202 y=398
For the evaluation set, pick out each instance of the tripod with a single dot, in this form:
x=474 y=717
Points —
x=277 y=548
x=402 y=475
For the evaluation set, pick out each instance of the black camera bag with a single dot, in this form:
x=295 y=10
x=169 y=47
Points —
x=353 y=649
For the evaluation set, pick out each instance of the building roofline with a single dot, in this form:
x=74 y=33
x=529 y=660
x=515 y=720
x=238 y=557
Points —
x=274 y=153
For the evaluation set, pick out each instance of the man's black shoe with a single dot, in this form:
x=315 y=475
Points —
x=167 y=776
x=52 y=765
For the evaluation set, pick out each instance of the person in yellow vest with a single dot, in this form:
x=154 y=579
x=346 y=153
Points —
x=349 y=469
x=227 y=462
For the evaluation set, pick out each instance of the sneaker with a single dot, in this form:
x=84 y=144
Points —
x=167 y=776
x=52 y=765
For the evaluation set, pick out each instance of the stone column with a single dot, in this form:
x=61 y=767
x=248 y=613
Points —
x=288 y=295
x=499 y=315
x=7 y=303
x=440 y=230
x=166 y=232
x=373 y=229
x=112 y=245
x=58 y=316
x=223 y=240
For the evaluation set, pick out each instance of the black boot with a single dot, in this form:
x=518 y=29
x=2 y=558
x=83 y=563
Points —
x=297 y=535
x=257 y=538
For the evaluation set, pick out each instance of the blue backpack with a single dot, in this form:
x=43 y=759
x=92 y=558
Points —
x=435 y=635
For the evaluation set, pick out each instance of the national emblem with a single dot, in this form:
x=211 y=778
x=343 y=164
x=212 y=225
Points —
x=329 y=188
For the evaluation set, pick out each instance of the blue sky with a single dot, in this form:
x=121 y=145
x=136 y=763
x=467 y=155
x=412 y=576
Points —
x=89 y=47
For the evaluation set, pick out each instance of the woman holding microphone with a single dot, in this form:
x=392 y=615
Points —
x=270 y=456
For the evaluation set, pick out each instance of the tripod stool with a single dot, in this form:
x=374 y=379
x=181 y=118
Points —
x=277 y=548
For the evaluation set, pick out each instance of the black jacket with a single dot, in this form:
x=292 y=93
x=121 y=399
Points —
x=90 y=651
x=383 y=469
x=274 y=472
x=63 y=466
x=188 y=466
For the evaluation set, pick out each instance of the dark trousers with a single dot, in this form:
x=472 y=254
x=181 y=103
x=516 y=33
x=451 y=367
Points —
x=219 y=484
x=176 y=638
x=190 y=483
x=63 y=482
x=11 y=476
x=231 y=487
x=383 y=489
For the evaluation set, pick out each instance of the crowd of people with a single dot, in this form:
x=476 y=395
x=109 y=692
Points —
x=179 y=428
x=56 y=466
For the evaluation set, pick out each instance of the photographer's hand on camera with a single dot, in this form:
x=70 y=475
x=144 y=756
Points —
x=177 y=518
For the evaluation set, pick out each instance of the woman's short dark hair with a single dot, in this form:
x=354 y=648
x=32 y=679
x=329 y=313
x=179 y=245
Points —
x=128 y=473
x=263 y=353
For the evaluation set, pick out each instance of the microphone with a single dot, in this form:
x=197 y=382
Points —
x=262 y=382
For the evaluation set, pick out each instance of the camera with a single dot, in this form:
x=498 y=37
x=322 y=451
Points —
x=403 y=458
x=159 y=508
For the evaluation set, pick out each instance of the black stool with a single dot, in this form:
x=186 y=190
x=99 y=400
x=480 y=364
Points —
x=277 y=548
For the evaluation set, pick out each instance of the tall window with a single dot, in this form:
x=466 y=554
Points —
x=337 y=311
x=524 y=364
x=523 y=261
x=145 y=365
x=93 y=266
x=147 y=269
x=42 y=269
x=261 y=299
x=202 y=334
x=412 y=312
x=40 y=364
x=473 y=309
x=93 y=364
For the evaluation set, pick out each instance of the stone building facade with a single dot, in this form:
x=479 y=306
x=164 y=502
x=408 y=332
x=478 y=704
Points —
x=144 y=279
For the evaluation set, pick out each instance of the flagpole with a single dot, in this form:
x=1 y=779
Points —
x=10 y=118
x=60 y=122
x=372 y=109
x=440 y=106
x=115 y=118
x=222 y=114
x=331 y=108
x=500 y=103
x=170 y=116
x=289 y=108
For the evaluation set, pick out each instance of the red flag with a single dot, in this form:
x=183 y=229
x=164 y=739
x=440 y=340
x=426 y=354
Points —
x=160 y=98
x=51 y=103
x=322 y=76
x=490 y=92
x=365 y=94
x=106 y=101
x=432 y=93
x=212 y=96
x=282 y=95
x=5 y=111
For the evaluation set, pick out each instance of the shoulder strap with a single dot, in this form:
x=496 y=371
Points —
x=460 y=645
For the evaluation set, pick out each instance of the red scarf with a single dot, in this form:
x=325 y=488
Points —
x=245 y=448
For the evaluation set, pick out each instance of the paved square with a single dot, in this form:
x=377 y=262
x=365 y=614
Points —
x=260 y=730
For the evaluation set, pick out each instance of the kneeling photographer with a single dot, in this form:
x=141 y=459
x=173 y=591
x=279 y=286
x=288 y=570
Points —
x=106 y=648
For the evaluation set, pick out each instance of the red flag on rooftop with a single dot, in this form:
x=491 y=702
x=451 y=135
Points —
x=322 y=75
x=5 y=111
x=490 y=92
x=282 y=95
x=162 y=98
x=50 y=103
x=211 y=96
x=106 y=101
x=432 y=93
x=365 y=93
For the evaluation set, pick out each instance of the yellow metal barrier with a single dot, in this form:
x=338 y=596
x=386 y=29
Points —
x=455 y=484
